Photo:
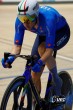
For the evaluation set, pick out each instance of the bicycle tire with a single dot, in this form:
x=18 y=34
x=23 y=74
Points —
x=14 y=86
x=67 y=82
x=67 y=89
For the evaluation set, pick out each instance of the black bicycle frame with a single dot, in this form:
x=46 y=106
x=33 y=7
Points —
x=28 y=79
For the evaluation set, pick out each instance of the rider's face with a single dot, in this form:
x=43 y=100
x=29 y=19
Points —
x=29 y=25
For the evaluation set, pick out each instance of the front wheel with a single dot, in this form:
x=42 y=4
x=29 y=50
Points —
x=67 y=89
x=17 y=96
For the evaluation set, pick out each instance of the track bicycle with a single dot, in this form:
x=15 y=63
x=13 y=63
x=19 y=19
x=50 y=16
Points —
x=21 y=90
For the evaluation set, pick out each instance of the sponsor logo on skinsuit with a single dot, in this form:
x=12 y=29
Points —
x=61 y=40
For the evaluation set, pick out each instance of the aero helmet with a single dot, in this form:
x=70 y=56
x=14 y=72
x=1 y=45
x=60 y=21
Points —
x=28 y=7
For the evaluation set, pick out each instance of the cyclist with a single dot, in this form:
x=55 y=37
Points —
x=52 y=31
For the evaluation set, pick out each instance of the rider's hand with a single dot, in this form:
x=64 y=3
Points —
x=8 y=62
x=37 y=67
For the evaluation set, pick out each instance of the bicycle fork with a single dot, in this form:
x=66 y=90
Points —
x=23 y=97
x=36 y=94
x=28 y=80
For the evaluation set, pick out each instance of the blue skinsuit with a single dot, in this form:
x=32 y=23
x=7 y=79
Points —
x=49 y=22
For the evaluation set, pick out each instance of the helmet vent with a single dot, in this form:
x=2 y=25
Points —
x=25 y=10
x=35 y=7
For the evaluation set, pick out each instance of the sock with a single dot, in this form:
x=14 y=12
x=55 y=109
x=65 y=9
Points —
x=57 y=81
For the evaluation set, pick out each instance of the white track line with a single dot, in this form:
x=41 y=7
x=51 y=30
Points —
x=65 y=58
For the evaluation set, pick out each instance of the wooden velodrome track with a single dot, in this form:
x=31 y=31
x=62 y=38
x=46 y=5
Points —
x=64 y=57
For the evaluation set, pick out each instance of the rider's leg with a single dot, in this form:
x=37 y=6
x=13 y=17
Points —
x=51 y=64
x=37 y=76
x=37 y=79
x=57 y=80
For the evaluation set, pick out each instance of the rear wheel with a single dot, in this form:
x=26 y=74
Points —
x=67 y=89
x=13 y=98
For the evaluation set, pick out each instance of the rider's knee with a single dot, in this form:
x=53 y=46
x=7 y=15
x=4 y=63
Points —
x=41 y=48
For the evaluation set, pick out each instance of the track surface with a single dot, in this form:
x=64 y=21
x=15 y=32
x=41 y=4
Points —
x=7 y=18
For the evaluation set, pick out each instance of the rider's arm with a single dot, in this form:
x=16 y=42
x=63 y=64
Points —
x=47 y=54
x=16 y=49
x=50 y=39
x=18 y=39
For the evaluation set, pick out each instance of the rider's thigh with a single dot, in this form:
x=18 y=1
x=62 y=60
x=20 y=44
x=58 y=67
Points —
x=41 y=48
x=50 y=60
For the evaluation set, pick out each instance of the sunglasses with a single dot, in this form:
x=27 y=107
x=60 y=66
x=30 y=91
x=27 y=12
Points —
x=26 y=18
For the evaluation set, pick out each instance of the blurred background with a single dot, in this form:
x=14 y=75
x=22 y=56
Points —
x=8 y=13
